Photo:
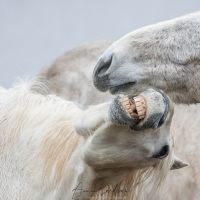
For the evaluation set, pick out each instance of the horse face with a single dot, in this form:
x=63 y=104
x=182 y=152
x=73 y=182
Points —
x=126 y=67
x=126 y=141
x=145 y=58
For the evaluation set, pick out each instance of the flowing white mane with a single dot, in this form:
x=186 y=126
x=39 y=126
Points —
x=31 y=120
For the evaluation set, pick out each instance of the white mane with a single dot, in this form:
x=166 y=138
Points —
x=41 y=123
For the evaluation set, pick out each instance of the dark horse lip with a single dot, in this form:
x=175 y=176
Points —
x=122 y=87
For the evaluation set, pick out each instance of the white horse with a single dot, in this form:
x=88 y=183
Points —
x=164 y=56
x=51 y=149
x=70 y=76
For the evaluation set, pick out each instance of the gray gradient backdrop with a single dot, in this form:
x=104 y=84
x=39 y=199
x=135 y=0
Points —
x=34 y=32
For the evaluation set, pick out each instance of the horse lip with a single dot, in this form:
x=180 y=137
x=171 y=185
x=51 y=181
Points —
x=119 y=114
x=163 y=118
x=121 y=87
x=160 y=121
x=155 y=120
x=100 y=87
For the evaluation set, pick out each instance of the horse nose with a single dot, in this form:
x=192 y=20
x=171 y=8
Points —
x=102 y=66
x=101 y=72
x=163 y=152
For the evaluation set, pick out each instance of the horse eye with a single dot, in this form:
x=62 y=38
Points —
x=162 y=153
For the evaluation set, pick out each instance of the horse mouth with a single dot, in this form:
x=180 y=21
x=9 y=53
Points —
x=121 y=88
x=134 y=106
x=149 y=109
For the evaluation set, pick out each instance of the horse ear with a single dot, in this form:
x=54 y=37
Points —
x=178 y=163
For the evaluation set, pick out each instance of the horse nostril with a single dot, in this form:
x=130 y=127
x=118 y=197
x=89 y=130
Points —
x=163 y=152
x=102 y=66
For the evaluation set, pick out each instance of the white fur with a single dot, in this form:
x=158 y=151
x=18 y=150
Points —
x=43 y=157
x=181 y=184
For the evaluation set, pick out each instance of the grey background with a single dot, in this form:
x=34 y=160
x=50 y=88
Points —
x=32 y=33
